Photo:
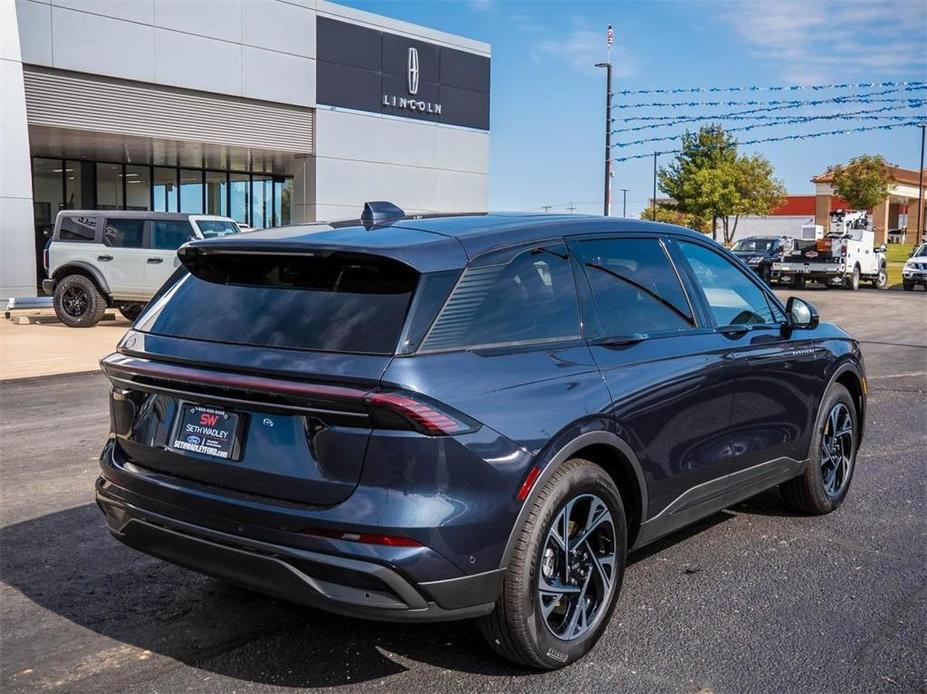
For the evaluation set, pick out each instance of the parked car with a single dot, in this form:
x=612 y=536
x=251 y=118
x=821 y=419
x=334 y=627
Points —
x=475 y=416
x=914 y=271
x=760 y=252
x=96 y=259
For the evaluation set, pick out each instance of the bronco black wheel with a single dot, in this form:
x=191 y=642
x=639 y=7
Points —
x=565 y=574
x=78 y=303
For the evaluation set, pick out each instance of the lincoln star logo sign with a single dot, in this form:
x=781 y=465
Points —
x=407 y=103
x=413 y=70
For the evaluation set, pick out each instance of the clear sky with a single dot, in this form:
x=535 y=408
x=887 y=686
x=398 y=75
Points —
x=547 y=112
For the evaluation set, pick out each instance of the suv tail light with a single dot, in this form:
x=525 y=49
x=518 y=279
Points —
x=45 y=260
x=392 y=410
x=387 y=410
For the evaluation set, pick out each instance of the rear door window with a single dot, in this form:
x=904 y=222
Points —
x=531 y=298
x=78 y=228
x=635 y=286
x=170 y=235
x=211 y=228
x=339 y=303
x=734 y=299
x=124 y=233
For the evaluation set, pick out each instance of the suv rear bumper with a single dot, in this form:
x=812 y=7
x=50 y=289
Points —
x=347 y=586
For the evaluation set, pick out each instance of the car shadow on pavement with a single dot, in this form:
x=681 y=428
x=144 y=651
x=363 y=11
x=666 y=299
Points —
x=68 y=564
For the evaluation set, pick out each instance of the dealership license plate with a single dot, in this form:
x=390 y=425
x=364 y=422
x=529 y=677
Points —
x=206 y=430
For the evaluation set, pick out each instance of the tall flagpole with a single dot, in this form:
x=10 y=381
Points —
x=607 y=188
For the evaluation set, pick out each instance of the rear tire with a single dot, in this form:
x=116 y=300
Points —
x=853 y=280
x=131 y=311
x=824 y=484
x=530 y=612
x=78 y=303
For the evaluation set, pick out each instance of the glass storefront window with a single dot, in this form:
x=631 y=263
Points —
x=191 y=191
x=78 y=185
x=109 y=187
x=138 y=188
x=239 y=197
x=47 y=192
x=262 y=201
x=217 y=193
x=283 y=199
x=165 y=189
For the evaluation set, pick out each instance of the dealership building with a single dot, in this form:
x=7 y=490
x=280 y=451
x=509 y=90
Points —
x=269 y=111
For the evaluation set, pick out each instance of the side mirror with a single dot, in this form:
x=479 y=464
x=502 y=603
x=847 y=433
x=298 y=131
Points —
x=801 y=314
x=883 y=248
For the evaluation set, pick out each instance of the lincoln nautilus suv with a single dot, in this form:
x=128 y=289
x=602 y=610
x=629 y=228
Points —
x=465 y=417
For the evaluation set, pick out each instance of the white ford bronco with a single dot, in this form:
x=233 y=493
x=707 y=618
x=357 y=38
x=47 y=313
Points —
x=101 y=258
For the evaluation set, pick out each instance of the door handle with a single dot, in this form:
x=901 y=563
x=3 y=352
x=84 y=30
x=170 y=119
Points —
x=734 y=330
x=104 y=258
x=155 y=261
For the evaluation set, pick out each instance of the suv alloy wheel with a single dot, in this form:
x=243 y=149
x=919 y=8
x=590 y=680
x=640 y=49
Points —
x=826 y=480
x=565 y=575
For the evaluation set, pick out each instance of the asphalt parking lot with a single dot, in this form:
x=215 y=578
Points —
x=752 y=599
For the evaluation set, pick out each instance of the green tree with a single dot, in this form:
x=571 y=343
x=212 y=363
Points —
x=670 y=215
x=864 y=182
x=711 y=181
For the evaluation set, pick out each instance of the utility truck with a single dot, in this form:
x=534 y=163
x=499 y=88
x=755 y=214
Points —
x=845 y=256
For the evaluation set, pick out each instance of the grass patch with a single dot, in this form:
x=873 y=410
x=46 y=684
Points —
x=895 y=256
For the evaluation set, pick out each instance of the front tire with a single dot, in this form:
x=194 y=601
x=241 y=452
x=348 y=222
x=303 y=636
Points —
x=565 y=574
x=826 y=480
x=907 y=286
x=78 y=303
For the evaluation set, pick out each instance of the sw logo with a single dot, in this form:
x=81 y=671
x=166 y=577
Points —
x=208 y=420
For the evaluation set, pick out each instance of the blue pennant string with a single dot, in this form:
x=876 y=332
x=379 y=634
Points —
x=754 y=88
x=744 y=128
x=782 y=138
x=862 y=114
x=785 y=103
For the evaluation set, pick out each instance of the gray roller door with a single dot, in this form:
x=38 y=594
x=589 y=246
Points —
x=86 y=102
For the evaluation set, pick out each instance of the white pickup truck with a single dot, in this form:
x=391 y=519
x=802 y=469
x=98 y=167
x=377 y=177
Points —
x=845 y=256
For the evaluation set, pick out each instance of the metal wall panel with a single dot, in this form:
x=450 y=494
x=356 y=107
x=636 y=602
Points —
x=381 y=72
x=71 y=100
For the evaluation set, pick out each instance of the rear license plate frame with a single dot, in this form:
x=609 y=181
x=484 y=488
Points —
x=232 y=422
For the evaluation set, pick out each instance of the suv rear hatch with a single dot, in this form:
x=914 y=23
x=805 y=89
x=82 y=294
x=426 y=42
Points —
x=259 y=371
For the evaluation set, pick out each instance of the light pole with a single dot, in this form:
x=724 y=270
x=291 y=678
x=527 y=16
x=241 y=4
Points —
x=624 y=202
x=607 y=202
x=920 y=190
x=653 y=202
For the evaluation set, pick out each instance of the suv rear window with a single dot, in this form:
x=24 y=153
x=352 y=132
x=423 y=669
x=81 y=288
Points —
x=78 y=228
x=339 y=303
x=530 y=299
x=211 y=228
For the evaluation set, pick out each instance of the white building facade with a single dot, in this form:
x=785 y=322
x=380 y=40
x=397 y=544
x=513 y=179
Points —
x=269 y=111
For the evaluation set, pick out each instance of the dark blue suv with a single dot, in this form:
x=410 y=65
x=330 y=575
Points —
x=472 y=416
